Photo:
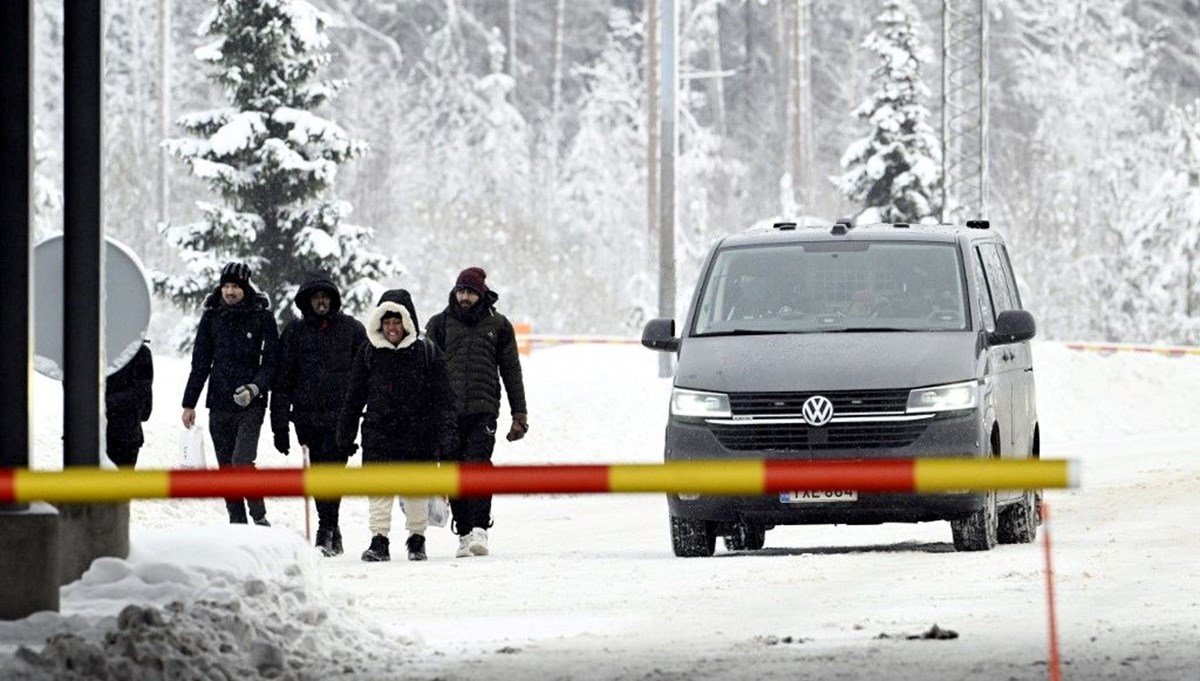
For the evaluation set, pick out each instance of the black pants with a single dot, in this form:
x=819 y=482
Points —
x=235 y=441
x=477 y=439
x=322 y=448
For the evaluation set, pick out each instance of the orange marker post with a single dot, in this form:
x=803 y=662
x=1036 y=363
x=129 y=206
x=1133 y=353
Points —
x=524 y=342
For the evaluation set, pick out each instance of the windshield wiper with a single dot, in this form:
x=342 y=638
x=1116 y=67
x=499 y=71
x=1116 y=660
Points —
x=739 y=332
x=867 y=329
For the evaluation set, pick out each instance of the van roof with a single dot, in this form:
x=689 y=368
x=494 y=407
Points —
x=806 y=233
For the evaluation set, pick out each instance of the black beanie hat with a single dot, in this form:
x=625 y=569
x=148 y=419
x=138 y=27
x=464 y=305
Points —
x=472 y=278
x=236 y=273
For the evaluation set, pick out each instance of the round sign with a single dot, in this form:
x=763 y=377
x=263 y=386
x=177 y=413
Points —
x=126 y=301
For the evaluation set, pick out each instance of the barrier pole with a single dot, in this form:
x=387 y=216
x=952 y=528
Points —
x=1055 y=661
x=715 y=477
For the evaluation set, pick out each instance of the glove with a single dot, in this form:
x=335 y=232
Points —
x=282 y=442
x=520 y=426
x=244 y=395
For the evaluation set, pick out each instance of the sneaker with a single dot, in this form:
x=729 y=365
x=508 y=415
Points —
x=262 y=522
x=464 y=547
x=416 y=547
x=478 y=541
x=378 y=550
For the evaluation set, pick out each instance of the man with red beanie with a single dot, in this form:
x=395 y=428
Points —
x=481 y=352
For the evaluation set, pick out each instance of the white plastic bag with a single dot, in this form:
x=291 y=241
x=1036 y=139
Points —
x=439 y=510
x=191 y=448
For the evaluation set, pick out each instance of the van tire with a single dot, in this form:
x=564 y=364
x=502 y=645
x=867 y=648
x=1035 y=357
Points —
x=1018 y=521
x=692 y=538
x=977 y=532
x=746 y=537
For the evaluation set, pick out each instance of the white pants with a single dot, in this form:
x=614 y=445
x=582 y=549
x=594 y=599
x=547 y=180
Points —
x=416 y=514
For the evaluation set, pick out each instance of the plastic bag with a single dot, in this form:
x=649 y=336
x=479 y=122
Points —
x=191 y=448
x=439 y=511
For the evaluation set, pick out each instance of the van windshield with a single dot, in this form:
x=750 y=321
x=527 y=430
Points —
x=834 y=286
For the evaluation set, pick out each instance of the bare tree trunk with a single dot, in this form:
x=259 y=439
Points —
x=799 y=98
x=510 y=54
x=557 y=58
x=782 y=101
x=164 y=106
x=716 y=84
x=652 y=104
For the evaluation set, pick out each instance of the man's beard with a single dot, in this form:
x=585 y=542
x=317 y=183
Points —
x=465 y=304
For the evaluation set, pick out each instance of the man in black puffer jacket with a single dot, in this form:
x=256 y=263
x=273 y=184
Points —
x=235 y=353
x=128 y=400
x=400 y=378
x=481 y=350
x=315 y=355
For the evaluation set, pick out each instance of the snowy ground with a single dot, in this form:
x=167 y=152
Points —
x=585 y=587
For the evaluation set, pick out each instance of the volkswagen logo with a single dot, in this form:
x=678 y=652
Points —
x=817 y=410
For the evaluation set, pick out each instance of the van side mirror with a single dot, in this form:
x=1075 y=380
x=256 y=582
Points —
x=1013 y=326
x=659 y=334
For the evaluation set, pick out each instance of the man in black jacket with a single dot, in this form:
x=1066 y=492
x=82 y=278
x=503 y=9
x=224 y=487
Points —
x=481 y=350
x=315 y=355
x=400 y=379
x=235 y=352
x=128 y=400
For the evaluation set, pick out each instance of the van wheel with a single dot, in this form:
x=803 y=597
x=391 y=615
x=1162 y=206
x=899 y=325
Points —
x=977 y=532
x=746 y=537
x=692 y=538
x=1018 y=521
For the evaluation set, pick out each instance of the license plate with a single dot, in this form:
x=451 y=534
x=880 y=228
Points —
x=809 y=497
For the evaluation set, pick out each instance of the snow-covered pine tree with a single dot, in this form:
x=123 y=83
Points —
x=894 y=172
x=1162 y=294
x=272 y=161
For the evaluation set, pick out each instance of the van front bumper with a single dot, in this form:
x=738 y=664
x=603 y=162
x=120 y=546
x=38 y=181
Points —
x=956 y=436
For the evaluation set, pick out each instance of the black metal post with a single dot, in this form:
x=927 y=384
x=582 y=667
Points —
x=83 y=238
x=16 y=256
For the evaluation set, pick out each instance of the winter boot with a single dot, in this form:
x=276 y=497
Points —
x=464 y=547
x=262 y=522
x=478 y=541
x=337 y=541
x=378 y=550
x=416 y=546
x=325 y=541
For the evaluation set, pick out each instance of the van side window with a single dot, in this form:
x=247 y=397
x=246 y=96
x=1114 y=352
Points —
x=999 y=281
x=985 y=296
x=1009 y=276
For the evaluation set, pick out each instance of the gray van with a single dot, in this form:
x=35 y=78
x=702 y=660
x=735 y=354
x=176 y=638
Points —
x=852 y=342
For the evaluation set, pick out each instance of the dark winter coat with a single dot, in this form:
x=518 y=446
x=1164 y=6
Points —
x=315 y=356
x=404 y=388
x=128 y=400
x=235 y=345
x=481 y=350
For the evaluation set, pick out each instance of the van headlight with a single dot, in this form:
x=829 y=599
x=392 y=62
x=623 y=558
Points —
x=699 y=404
x=952 y=397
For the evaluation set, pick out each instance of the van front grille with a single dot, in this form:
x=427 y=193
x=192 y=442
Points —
x=789 y=436
x=844 y=402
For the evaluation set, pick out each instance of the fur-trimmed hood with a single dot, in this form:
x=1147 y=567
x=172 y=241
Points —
x=400 y=302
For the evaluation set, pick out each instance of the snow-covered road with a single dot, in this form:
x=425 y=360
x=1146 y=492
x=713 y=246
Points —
x=586 y=587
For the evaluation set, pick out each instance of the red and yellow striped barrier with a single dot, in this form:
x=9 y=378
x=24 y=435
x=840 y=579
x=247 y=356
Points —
x=1110 y=348
x=78 y=485
x=552 y=339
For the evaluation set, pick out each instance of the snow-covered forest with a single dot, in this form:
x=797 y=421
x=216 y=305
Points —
x=514 y=136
